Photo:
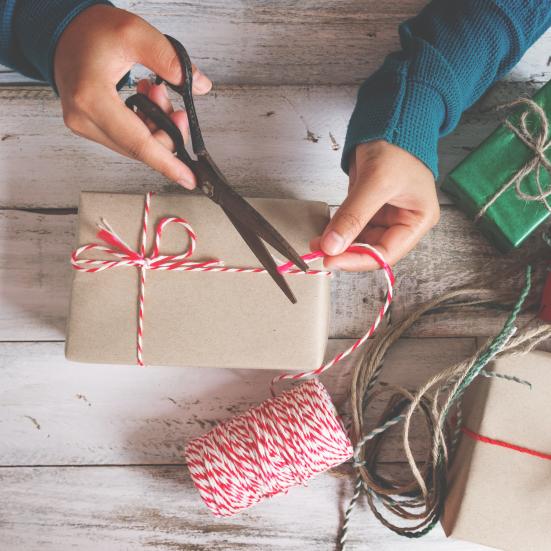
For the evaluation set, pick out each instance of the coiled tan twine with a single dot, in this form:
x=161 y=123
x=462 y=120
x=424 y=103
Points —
x=412 y=508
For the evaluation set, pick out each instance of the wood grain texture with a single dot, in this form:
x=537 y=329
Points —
x=91 y=456
x=35 y=279
x=289 y=42
x=144 y=508
x=269 y=141
x=55 y=412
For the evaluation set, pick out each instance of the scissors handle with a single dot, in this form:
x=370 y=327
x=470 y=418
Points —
x=140 y=102
x=185 y=90
x=204 y=168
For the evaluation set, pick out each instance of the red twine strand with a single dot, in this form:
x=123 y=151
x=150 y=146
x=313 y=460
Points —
x=492 y=441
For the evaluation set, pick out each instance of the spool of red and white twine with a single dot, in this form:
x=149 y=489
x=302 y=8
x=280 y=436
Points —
x=283 y=442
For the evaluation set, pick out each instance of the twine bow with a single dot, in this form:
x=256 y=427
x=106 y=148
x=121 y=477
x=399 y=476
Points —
x=125 y=256
x=538 y=142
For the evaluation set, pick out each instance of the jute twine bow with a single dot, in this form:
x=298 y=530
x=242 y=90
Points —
x=125 y=257
x=412 y=508
x=538 y=142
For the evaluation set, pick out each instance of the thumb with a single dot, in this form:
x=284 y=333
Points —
x=156 y=52
x=356 y=211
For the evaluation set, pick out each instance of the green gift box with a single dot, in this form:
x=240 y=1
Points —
x=502 y=184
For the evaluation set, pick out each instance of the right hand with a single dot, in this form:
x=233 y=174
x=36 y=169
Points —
x=94 y=52
x=391 y=205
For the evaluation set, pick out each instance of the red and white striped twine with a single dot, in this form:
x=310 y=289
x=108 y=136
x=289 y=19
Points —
x=284 y=442
x=267 y=450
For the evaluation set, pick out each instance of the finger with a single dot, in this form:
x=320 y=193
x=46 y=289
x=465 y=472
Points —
x=181 y=121
x=362 y=203
x=153 y=50
x=143 y=87
x=393 y=244
x=315 y=243
x=159 y=94
x=355 y=262
x=132 y=136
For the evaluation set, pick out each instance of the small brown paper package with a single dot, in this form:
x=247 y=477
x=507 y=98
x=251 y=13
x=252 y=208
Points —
x=198 y=319
x=497 y=496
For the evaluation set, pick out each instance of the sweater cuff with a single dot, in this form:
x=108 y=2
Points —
x=404 y=112
x=39 y=24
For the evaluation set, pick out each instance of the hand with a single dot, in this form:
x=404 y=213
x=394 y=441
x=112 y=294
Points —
x=391 y=205
x=94 y=52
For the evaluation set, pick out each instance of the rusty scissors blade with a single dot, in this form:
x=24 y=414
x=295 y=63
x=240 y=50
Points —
x=250 y=224
x=262 y=253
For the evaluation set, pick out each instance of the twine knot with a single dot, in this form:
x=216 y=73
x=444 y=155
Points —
x=538 y=141
x=145 y=263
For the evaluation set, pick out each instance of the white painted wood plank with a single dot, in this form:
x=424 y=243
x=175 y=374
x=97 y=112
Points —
x=12 y=78
x=157 y=508
x=259 y=137
x=35 y=274
x=35 y=279
x=285 y=42
x=53 y=412
x=453 y=254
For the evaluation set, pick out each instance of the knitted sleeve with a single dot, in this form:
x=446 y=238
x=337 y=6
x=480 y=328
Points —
x=30 y=29
x=451 y=53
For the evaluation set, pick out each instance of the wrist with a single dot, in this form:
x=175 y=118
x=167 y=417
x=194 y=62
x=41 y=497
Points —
x=402 y=112
x=42 y=24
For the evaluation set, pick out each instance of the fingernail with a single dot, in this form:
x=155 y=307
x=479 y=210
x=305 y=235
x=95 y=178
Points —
x=333 y=243
x=164 y=90
x=186 y=183
x=202 y=83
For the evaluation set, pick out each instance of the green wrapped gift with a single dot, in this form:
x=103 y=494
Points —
x=505 y=184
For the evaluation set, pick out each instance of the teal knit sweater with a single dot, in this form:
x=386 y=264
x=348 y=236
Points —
x=451 y=53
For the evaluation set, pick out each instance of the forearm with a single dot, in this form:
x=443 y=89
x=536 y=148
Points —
x=451 y=53
x=30 y=30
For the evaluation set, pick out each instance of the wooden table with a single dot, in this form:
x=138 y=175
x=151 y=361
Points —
x=91 y=456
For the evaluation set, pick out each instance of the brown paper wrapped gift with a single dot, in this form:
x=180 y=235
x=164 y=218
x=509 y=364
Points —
x=197 y=318
x=497 y=496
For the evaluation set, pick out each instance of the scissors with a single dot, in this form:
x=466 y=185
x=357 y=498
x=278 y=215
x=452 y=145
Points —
x=250 y=224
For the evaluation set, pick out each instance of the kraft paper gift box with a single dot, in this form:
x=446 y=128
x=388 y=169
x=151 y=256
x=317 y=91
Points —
x=472 y=183
x=501 y=497
x=198 y=318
